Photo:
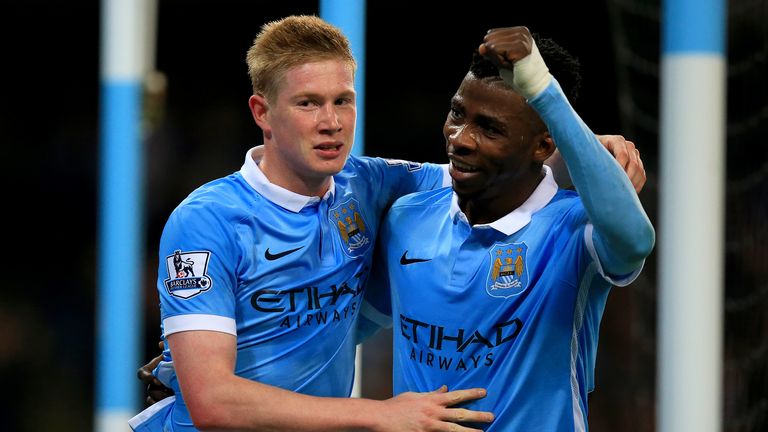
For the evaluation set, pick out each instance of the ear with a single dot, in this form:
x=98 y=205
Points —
x=545 y=147
x=259 y=110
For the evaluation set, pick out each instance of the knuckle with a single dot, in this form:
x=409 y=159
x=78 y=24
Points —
x=426 y=424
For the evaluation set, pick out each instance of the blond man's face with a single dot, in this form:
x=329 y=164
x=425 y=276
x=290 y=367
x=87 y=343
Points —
x=311 y=120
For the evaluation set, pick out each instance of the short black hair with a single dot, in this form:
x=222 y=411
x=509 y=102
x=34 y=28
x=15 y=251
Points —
x=562 y=65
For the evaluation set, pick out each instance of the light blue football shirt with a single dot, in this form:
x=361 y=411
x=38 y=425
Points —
x=513 y=306
x=281 y=271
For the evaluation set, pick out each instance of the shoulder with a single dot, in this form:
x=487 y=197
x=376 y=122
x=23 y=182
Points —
x=357 y=163
x=565 y=207
x=360 y=163
x=416 y=213
x=360 y=170
x=221 y=199
x=425 y=199
x=564 y=200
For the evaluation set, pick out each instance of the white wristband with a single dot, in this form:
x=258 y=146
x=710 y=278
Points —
x=530 y=76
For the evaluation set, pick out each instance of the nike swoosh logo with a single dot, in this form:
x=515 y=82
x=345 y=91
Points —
x=404 y=260
x=273 y=257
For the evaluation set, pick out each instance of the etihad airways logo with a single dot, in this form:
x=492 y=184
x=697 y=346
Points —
x=438 y=337
x=311 y=305
x=440 y=347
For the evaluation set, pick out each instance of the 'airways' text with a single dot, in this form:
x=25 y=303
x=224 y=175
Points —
x=449 y=363
x=320 y=318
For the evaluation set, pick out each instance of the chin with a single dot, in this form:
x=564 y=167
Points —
x=465 y=191
x=331 y=168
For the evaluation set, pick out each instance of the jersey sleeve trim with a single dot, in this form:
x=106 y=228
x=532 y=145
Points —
x=373 y=314
x=180 y=323
x=618 y=281
x=151 y=417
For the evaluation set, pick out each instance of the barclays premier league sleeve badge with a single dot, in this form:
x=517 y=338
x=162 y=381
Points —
x=187 y=273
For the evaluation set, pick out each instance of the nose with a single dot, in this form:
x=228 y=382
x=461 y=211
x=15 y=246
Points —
x=328 y=119
x=461 y=139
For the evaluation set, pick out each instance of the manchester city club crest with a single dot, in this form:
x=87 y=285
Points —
x=508 y=275
x=187 y=273
x=353 y=232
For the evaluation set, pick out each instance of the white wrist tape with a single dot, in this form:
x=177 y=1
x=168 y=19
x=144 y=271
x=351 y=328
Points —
x=530 y=77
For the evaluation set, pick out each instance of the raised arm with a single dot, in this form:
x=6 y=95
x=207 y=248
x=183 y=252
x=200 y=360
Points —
x=623 y=236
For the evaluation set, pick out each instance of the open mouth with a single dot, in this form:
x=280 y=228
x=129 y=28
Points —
x=463 y=167
x=329 y=150
x=330 y=146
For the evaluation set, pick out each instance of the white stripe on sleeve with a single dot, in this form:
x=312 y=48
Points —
x=180 y=323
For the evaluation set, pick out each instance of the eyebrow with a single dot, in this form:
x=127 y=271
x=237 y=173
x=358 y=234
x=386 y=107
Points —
x=313 y=95
x=487 y=121
x=481 y=119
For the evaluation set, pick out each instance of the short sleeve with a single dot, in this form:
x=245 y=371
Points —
x=197 y=271
x=620 y=280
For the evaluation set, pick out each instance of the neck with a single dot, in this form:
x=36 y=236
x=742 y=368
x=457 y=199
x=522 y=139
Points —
x=489 y=207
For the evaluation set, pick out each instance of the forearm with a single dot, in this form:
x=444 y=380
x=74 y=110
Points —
x=623 y=234
x=244 y=405
x=217 y=399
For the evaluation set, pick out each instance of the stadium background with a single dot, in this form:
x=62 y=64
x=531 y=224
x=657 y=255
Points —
x=198 y=127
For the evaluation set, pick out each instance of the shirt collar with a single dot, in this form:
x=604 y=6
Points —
x=521 y=216
x=278 y=195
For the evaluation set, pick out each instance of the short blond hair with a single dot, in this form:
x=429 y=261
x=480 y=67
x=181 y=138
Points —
x=289 y=42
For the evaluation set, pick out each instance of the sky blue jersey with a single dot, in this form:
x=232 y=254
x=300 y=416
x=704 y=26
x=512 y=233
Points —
x=513 y=306
x=282 y=272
